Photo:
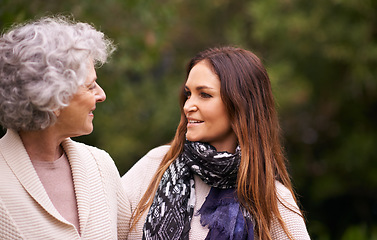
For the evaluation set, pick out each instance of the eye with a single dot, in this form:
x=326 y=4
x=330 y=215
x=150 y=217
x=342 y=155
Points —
x=92 y=86
x=205 y=95
x=187 y=93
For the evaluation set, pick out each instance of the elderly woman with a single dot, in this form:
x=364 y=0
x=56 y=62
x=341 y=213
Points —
x=52 y=187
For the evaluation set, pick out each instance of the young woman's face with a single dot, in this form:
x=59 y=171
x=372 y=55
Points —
x=208 y=120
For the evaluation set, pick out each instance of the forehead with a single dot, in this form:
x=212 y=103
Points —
x=202 y=75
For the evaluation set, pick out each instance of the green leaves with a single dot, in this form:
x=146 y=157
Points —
x=321 y=57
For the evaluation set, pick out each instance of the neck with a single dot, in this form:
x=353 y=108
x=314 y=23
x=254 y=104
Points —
x=229 y=146
x=42 y=145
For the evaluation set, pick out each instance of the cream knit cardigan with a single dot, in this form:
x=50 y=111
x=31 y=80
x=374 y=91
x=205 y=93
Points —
x=26 y=212
x=137 y=179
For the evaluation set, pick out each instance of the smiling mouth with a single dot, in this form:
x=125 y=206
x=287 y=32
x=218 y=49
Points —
x=194 y=121
x=91 y=111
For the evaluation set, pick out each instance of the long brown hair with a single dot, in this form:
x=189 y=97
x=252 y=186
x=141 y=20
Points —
x=246 y=92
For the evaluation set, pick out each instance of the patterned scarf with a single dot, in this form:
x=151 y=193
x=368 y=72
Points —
x=172 y=209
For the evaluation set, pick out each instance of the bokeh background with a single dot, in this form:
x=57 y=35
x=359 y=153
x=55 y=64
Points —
x=322 y=59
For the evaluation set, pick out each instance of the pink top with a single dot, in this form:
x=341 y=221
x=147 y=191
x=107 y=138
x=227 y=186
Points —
x=57 y=180
x=27 y=212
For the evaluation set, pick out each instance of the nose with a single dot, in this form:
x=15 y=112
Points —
x=189 y=106
x=100 y=94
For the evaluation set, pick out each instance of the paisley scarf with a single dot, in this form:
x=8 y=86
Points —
x=172 y=209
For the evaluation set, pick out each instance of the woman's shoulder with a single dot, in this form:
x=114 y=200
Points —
x=158 y=152
x=70 y=145
x=285 y=196
x=144 y=169
x=88 y=155
x=283 y=191
x=151 y=160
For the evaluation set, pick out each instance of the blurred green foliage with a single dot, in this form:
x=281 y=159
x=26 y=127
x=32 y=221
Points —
x=322 y=59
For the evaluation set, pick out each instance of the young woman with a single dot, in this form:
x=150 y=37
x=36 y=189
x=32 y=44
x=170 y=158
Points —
x=223 y=176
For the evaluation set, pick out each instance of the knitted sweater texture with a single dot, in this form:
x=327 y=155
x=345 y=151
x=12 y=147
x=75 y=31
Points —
x=137 y=179
x=26 y=212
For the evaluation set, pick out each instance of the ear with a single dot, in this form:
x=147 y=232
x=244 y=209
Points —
x=57 y=113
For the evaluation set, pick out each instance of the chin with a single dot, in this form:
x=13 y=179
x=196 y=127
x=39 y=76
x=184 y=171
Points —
x=87 y=131
x=193 y=139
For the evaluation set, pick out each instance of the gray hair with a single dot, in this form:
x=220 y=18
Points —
x=42 y=64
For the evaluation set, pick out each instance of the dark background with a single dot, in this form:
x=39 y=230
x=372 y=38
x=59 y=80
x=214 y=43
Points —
x=322 y=59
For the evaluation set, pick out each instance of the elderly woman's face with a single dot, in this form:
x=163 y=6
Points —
x=77 y=118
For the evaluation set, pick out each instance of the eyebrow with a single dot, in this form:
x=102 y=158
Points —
x=200 y=87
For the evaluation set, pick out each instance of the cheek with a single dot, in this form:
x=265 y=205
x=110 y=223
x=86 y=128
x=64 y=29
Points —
x=217 y=112
x=223 y=124
x=87 y=99
x=220 y=119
